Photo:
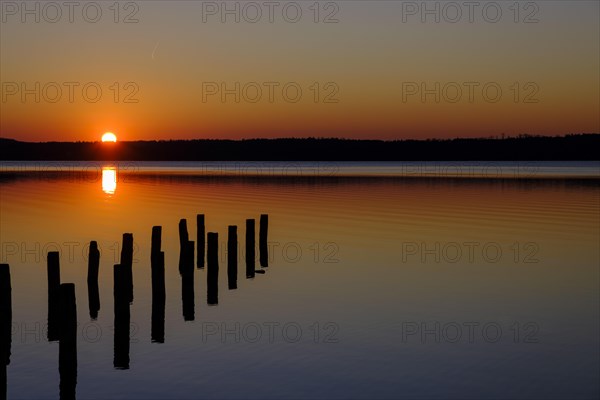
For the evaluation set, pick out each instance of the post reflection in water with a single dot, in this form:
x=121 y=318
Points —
x=122 y=319
x=67 y=348
x=5 y=325
x=212 y=275
x=157 y=262
x=187 y=281
x=123 y=297
x=109 y=180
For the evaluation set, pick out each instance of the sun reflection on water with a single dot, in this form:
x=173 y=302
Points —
x=109 y=180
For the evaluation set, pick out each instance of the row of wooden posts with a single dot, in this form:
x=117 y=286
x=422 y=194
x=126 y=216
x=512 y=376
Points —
x=62 y=311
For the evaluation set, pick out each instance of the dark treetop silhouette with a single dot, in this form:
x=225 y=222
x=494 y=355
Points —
x=531 y=148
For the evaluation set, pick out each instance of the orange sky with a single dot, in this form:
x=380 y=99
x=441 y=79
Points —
x=364 y=76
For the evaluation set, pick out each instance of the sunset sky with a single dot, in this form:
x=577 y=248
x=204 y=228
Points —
x=372 y=64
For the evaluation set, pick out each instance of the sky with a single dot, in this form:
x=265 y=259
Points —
x=152 y=70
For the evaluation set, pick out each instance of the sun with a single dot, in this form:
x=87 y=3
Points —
x=109 y=137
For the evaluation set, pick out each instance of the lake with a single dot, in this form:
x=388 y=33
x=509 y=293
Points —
x=384 y=280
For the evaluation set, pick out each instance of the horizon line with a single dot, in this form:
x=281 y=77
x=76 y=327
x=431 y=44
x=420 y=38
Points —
x=490 y=137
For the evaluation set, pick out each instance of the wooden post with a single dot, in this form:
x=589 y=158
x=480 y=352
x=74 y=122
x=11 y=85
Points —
x=92 y=280
x=127 y=249
x=156 y=240
x=122 y=318
x=67 y=347
x=127 y=264
x=200 y=239
x=53 y=295
x=6 y=324
x=212 y=275
x=183 y=239
x=250 y=248
x=232 y=257
x=262 y=238
x=187 y=282
x=183 y=232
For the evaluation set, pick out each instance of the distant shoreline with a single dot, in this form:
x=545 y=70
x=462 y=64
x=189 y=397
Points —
x=575 y=147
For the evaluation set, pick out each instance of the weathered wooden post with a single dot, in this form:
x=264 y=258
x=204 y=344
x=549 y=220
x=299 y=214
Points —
x=183 y=232
x=250 y=248
x=156 y=240
x=122 y=318
x=232 y=255
x=200 y=238
x=183 y=239
x=53 y=295
x=262 y=238
x=127 y=264
x=157 y=263
x=6 y=324
x=212 y=274
x=92 y=280
x=67 y=347
x=187 y=282
x=127 y=249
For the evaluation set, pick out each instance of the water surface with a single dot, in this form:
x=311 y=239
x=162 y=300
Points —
x=384 y=281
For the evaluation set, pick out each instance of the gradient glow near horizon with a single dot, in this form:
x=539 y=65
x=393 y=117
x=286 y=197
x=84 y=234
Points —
x=355 y=69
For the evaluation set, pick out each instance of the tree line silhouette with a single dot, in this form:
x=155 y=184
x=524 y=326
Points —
x=520 y=148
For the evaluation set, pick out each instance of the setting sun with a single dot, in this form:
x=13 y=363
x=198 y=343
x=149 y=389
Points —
x=109 y=137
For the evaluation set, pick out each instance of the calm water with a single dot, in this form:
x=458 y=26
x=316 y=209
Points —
x=416 y=280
